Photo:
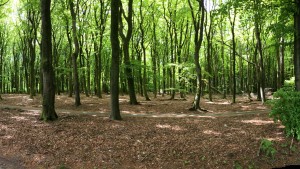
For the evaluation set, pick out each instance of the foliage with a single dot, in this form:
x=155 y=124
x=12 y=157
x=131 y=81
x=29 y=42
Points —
x=267 y=147
x=290 y=82
x=286 y=108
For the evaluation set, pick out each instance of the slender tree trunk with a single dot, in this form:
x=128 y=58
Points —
x=141 y=27
x=261 y=64
x=198 y=21
x=126 y=40
x=32 y=68
x=48 y=110
x=154 y=54
x=297 y=45
x=280 y=63
x=232 y=22
x=75 y=55
x=69 y=59
x=114 y=69
x=209 y=56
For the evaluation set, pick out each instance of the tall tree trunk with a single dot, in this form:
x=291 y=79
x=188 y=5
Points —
x=48 y=110
x=297 y=45
x=32 y=67
x=126 y=40
x=75 y=55
x=209 y=55
x=69 y=58
x=141 y=27
x=88 y=65
x=154 y=54
x=261 y=71
x=115 y=61
x=280 y=63
x=232 y=22
x=198 y=21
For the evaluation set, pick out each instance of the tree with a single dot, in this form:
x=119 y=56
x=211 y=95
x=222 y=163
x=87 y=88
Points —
x=126 y=40
x=198 y=22
x=143 y=36
x=232 y=23
x=115 y=61
x=48 y=111
x=257 y=27
x=75 y=54
x=297 y=45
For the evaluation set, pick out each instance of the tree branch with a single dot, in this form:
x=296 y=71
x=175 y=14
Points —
x=4 y=3
x=237 y=53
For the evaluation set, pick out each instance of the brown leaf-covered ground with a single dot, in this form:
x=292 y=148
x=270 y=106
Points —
x=161 y=133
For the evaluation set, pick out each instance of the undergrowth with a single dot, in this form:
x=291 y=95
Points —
x=286 y=109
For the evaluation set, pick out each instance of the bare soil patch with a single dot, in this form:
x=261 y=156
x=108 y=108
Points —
x=160 y=133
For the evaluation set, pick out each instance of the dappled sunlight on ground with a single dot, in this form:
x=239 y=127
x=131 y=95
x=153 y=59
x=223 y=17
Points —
x=211 y=132
x=257 y=122
x=19 y=118
x=161 y=133
x=167 y=126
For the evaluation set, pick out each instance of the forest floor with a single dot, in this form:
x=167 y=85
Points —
x=161 y=133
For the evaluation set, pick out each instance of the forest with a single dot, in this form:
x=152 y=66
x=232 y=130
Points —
x=169 y=47
x=192 y=55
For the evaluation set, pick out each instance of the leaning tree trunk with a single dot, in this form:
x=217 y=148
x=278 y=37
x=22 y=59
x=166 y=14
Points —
x=48 y=111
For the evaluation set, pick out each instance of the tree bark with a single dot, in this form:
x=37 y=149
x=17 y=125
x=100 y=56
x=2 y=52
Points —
x=126 y=41
x=114 y=69
x=141 y=26
x=198 y=21
x=75 y=55
x=232 y=23
x=297 y=45
x=260 y=52
x=48 y=110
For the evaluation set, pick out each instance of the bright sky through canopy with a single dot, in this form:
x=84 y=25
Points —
x=13 y=16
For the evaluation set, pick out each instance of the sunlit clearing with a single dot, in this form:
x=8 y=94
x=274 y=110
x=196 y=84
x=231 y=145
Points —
x=261 y=108
x=39 y=158
x=132 y=113
x=273 y=138
x=32 y=113
x=8 y=137
x=211 y=132
x=257 y=122
x=3 y=127
x=123 y=100
x=117 y=126
x=19 y=118
x=220 y=103
x=167 y=126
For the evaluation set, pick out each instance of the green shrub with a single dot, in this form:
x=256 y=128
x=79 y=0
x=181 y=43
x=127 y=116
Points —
x=286 y=108
x=266 y=146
